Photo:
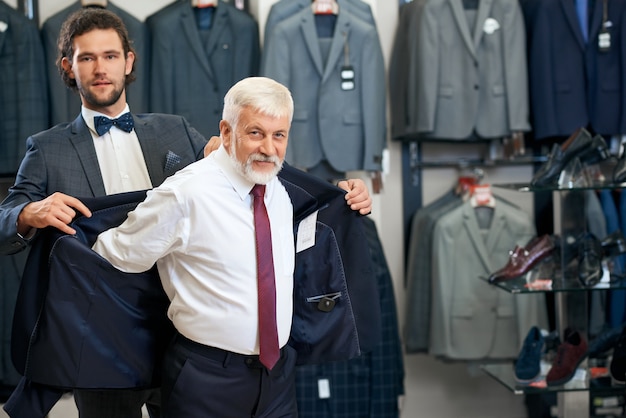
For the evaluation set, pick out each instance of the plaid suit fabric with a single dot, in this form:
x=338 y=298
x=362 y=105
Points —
x=367 y=386
x=23 y=93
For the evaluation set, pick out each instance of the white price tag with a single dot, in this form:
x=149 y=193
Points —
x=306 y=233
x=323 y=388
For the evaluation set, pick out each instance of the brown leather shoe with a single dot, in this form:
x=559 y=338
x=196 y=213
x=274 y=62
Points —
x=523 y=259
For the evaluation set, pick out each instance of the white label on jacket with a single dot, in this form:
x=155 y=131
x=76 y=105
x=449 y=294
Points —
x=3 y=26
x=306 y=233
x=323 y=388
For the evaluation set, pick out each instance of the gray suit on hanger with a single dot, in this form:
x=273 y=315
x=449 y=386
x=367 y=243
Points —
x=345 y=127
x=285 y=8
x=65 y=103
x=471 y=319
x=470 y=83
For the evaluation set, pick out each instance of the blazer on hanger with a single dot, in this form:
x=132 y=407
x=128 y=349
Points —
x=23 y=86
x=469 y=82
x=346 y=127
x=572 y=82
x=191 y=75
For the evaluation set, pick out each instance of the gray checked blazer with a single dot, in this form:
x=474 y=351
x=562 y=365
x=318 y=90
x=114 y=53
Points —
x=347 y=128
x=63 y=159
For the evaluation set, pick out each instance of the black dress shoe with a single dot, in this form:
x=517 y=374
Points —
x=613 y=244
x=588 y=150
x=619 y=172
x=589 y=260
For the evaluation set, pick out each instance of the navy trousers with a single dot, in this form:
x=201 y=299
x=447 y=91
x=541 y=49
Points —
x=201 y=381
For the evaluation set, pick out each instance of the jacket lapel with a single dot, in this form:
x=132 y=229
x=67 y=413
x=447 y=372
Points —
x=461 y=21
x=83 y=144
x=3 y=33
x=188 y=23
x=146 y=134
x=596 y=20
x=340 y=37
x=572 y=19
x=471 y=225
x=220 y=24
x=307 y=26
x=484 y=7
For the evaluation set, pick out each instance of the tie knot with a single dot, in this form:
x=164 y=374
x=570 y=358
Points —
x=258 y=190
x=104 y=124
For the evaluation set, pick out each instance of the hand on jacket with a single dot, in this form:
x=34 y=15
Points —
x=56 y=210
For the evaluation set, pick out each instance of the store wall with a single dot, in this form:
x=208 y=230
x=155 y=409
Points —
x=433 y=389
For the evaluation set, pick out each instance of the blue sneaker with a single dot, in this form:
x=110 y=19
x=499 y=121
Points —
x=528 y=364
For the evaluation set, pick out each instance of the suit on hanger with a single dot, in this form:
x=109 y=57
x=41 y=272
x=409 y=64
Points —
x=470 y=82
x=573 y=83
x=345 y=127
x=190 y=76
x=401 y=69
x=471 y=319
x=23 y=88
x=65 y=103
x=285 y=8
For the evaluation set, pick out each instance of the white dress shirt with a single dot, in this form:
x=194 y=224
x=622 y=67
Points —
x=198 y=227
x=121 y=161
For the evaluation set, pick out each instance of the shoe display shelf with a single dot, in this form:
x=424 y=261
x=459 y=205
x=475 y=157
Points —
x=560 y=275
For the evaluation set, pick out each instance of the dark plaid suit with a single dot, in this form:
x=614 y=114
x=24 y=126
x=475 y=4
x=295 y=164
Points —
x=367 y=386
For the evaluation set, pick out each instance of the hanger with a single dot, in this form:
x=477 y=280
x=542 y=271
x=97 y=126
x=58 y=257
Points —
x=481 y=196
x=86 y=3
x=204 y=3
x=325 y=7
x=468 y=177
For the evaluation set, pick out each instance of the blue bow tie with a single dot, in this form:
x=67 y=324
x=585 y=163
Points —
x=103 y=124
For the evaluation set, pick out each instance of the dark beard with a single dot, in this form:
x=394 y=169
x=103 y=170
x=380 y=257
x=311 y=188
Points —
x=94 y=101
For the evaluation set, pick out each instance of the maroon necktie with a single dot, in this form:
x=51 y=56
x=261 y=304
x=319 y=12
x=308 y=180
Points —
x=268 y=335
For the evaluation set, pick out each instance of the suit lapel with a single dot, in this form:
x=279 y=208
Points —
x=188 y=23
x=471 y=225
x=340 y=37
x=461 y=21
x=83 y=144
x=484 y=7
x=596 y=20
x=146 y=133
x=220 y=24
x=307 y=27
x=569 y=11
x=3 y=34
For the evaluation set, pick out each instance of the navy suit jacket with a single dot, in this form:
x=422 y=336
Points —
x=573 y=83
x=80 y=323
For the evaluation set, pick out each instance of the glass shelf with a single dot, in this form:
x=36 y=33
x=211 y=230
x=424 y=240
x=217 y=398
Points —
x=526 y=187
x=567 y=284
x=504 y=374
